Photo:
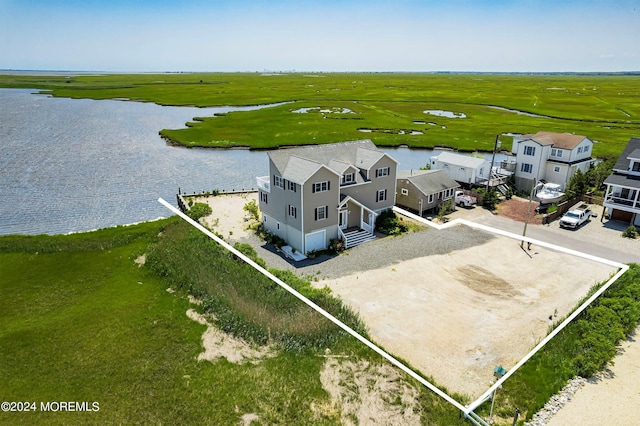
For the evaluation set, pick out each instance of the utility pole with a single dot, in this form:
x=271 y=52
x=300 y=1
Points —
x=493 y=157
x=526 y=219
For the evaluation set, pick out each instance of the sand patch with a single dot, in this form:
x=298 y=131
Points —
x=248 y=418
x=228 y=217
x=457 y=316
x=369 y=394
x=141 y=260
x=220 y=345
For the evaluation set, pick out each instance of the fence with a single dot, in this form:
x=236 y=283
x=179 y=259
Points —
x=563 y=207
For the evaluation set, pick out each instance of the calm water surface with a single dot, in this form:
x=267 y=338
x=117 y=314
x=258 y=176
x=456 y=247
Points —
x=74 y=165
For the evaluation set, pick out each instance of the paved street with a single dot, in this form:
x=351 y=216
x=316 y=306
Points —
x=602 y=239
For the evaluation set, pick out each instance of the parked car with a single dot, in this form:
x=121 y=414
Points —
x=464 y=200
x=576 y=216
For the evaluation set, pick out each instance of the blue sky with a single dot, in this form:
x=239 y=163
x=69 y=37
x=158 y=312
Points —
x=330 y=35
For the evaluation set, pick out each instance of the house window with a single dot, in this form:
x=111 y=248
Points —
x=635 y=167
x=579 y=150
x=348 y=178
x=529 y=150
x=321 y=213
x=381 y=195
x=556 y=169
x=430 y=200
x=526 y=168
x=586 y=148
x=556 y=153
x=293 y=212
x=384 y=171
x=321 y=186
x=263 y=197
x=404 y=191
x=291 y=185
x=448 y=194
x=278 y=181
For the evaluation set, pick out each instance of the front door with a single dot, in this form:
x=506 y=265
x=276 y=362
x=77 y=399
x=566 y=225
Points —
x=344 y=219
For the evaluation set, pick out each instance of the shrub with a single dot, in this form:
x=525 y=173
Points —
x=199 y=210
x=630 y=232
x=388 y=223
x=444 y=210
x=252 y=208
x=250 y=252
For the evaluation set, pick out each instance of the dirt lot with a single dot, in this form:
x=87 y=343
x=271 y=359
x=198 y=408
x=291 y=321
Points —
x=457 y=316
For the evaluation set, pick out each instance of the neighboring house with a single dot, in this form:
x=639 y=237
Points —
x=622 y=199
x=424 y=190
x=462 y=168
x=550 y=157
x=314 y=194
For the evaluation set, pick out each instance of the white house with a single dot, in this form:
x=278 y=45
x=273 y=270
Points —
x=550 y=157
x=462 y=168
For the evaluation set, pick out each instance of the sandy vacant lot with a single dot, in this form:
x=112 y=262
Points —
x=457 y=316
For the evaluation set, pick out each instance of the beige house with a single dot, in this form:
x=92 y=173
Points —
x=423 y=191
x=314 y=194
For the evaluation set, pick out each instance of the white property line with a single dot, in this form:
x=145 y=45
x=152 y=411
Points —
x=465 y=409
x=317 y=308
x=622 y=269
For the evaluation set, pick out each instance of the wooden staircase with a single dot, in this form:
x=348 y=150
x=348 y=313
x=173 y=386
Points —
x=356 y=236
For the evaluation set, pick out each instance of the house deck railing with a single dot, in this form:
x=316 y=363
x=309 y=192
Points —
x=264 y=183
x=494 y=181
x=613 y=200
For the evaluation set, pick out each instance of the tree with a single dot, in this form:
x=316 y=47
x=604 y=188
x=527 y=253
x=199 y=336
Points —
x=578 y=185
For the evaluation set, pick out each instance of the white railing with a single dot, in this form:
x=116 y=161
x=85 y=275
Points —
x=264 y=183
x=612 y=199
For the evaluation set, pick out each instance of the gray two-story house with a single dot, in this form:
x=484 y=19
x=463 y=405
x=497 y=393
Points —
x=622 y=198
x=314 y=194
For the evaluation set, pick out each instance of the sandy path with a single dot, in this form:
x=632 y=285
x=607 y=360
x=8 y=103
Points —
x=610 y=399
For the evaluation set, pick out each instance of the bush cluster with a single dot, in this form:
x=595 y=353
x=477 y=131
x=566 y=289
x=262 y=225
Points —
x=199 y=210
x=246 y=303
x=630 y=232
x=388 y=223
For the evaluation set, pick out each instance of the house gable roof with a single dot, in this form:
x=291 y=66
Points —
x=335 y=157
x=461 y=160
x=629 y=152
x=300 y=169
x=558 y=140
x=428 y=181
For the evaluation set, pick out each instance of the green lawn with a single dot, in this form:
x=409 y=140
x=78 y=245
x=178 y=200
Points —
x=81 y=321
x=90 y=325
x=606 y=108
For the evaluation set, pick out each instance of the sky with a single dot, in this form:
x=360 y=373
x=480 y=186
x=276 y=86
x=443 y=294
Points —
x=329 y=35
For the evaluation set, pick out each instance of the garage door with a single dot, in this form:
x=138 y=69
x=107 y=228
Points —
x=315 y=241
x=622 y=215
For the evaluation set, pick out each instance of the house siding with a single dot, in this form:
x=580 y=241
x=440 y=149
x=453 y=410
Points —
x=414 y=196
x=328 y=198
x=366 y=193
